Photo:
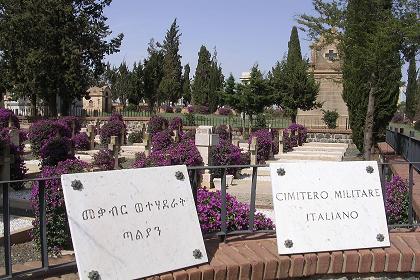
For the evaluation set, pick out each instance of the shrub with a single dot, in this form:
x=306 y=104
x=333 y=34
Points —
x=237 y=218
x=58 y=232
x=225 y=111
x=184 y=152
x=56 y=149
x=69 y=120
x=330 y=118
x=104 y=159
x=225 y=153
x=190 y=119
x=260 y=122
x=175 y=124
x=397 y=201
x=17 y=168
x=135 y=137
x=417 y=125
x=223 y=132
x=114 y=127
x=398 y=118
x=157 y=124
x=156 y=158
x=5 y=115
x=81 y=141
x=131 y=107
x=167 y=108
x=274 y=112
x=198 y=109
x=115 y=116
x=295 y=135
x=264 y=142
x=161 y=140
x=43 y=130
x=178 y=109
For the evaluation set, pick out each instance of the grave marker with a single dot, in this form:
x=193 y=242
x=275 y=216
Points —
x=328 y=206
x=133 y=223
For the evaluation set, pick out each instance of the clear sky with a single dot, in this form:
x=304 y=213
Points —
x=244 y=32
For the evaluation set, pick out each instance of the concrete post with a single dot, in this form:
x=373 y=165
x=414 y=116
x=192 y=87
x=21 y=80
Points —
x=205 y=140
x=114 y=146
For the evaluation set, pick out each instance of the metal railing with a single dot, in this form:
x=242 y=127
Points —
x=404 y=145
x=194 y=175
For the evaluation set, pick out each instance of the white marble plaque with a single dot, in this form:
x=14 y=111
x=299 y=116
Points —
x=328 y=206
x=128 y=224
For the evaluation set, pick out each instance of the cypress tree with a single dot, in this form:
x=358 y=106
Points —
x=371 y=70
x=171 y=84
x=201 y=84
x=122 y=87
x=186 y=85
x=295 y=87
x=215 y=84
x=137 y=85
x=411 y=92
x=230 y=85
x=153 y=74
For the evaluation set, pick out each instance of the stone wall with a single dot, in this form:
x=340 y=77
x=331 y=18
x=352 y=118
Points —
x=329 y=136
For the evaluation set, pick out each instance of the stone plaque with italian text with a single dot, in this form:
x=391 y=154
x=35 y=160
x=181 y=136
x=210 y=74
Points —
x=328 y=206
x=129 y=224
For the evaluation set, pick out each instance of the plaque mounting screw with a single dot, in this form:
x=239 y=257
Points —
x=288 y=243
x=179 y=175
x=77 y=185
x=281 y=172
x=197 y=254
x=380 y=237
x=94 y=275
x=369 y=169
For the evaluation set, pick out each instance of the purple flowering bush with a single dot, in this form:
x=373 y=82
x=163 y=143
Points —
x=209 y=209
x=225 y=111
x=58 y=233
x=114 y=127
x=161 y=140
x=295 y=135
x=157 y=124
x=184 y=152
x=81 y=141
x=167 y=109
x=5 y=115
x=104 y=160
x=198 y=109
x=56 y=149
x=69 y=121
x=175 y=124
x=265 y=143
x=397 y=201
x=223 y=132
x=43 y=130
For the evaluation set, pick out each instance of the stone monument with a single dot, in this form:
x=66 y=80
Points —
x=205 y=140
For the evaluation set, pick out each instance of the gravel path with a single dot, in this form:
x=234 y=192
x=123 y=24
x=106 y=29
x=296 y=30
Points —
x=22 y=253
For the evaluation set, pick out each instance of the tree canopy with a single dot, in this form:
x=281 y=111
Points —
x=59 y=53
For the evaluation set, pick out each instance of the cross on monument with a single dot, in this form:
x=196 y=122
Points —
x=331 y=55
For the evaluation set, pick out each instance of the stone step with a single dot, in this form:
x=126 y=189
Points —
x=319 y=157
x=319 y=149
x=308 y=152
x=321 y=144
x=261 y=171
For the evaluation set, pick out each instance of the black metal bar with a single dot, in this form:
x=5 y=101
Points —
x=43 y=225
x=410 y=194
x=253 y=195
x=6 y=231
x=223 y=209
x=382 y=177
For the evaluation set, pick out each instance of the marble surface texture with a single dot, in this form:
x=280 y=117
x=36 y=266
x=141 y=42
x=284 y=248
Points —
x=133 y=223
x=328 y=206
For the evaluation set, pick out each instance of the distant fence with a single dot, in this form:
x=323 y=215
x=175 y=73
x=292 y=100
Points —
x=404 y=145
